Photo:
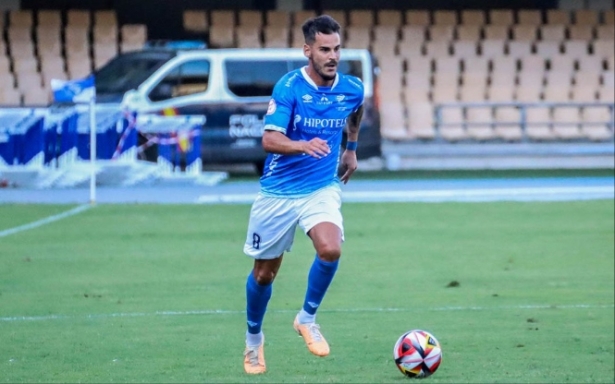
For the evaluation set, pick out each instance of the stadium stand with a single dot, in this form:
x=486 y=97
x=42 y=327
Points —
x=469 y=74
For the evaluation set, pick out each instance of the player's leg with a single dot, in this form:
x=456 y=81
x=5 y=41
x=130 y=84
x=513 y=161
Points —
x=323 y=224
x=270 y=233
x=258 y=292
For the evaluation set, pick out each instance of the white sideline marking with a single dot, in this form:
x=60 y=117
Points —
x=47 y=220
x=343 y=310
x=438 y=195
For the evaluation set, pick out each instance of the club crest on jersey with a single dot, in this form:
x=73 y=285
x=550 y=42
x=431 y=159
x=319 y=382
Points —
x=272 y=107
x=340 y=98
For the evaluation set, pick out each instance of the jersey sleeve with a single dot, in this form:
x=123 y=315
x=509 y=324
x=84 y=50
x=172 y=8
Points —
x=280 y=108
x=360 y=90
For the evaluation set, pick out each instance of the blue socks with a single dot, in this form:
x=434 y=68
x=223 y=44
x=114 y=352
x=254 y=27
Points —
x=257 y=298
x=320 y=276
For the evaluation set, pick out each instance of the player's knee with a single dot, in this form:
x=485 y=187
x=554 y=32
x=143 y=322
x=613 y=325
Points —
x=329 y=252
x=264 y=277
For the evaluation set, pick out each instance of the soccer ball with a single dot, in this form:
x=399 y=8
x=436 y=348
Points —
x=417 y=353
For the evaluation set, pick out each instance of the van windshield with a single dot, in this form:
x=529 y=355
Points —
x=256 y=78
x=128 y=71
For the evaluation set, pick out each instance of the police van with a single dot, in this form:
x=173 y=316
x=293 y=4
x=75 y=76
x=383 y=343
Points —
x=230 y=88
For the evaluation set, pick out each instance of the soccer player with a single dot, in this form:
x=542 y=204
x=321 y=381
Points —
x=308 y=112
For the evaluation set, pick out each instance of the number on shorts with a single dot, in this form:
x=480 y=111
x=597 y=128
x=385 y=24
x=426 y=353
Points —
x=256 y=240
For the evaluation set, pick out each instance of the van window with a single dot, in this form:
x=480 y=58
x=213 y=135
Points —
x=189 y=78
x=250 y=78
x=127 y=71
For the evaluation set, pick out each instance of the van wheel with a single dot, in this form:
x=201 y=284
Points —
x=259 y=167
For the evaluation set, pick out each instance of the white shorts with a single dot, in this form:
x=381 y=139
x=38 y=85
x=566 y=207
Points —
x=273 y=220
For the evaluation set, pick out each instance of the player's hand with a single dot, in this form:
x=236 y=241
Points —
x=349 y=165
x=316 y=147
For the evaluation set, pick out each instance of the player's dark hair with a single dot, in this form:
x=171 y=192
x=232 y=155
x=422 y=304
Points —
x=320 y=24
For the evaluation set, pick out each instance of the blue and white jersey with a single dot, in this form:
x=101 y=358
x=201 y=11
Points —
x=302 y=110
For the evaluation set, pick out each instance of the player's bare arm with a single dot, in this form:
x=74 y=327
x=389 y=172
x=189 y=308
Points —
x=349 y=158
x=277 y=142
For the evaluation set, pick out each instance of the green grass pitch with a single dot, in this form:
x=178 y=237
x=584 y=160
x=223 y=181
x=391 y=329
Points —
x=515 y=293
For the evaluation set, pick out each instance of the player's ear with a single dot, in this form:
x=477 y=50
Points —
x=306 y=50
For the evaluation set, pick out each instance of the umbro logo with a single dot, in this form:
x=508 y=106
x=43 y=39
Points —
x=252 y=324
x=312 y=304
x=307 y=98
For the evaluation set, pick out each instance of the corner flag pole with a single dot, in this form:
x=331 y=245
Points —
x=93 y=149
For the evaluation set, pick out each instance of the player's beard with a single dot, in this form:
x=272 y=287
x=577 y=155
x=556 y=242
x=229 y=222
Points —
x=320 y=69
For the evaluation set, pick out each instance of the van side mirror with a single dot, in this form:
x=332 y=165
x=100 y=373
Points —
x=162 y=91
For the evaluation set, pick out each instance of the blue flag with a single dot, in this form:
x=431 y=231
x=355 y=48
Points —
x=73 y=91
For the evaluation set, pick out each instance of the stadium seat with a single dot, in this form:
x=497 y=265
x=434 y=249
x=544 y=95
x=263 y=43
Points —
x=557 y=93
x=595 y=123
x=566 y=123
x=548 y=49
x=584 y=94
x=518 y=49
x=473 y=92
x=524 y=32
x=468 y=32
x=410 y=48
x=452 y=124
x=75 y=17
x=133 y=37
x=538 y=125
x=609 y=17
x=7 y=79
x=446 y=80
x=441 y=32
x=420 y=64
x=504 y=65
x=492 y=48
x=275 y=37
x=103 y=53
x=444 y=94
x=479 y=123
x=576 y=48
x=590 y=63
x=465 y=49
x=36 y=97
x=31 y=80
x=589 y=79
x=581 y=32
x=10 y=97
x=76 y=42
x=5 y=65
x=551 y=32
x=250 y=18
x=507 y=123
x=447 y=64
x=416 y=95
x=603 y=48
x=528 y=93
x=278 y=19
x=48 y=41
x=585 y=17
x=360 y=18
x=421 y=120
x=105 y=34
x=501 y=17
x=437 y=48
x=496 y=32
x=562 y=64
x=105 y=17
x=386 y=34
x=49 y=18
x=418 y=17
x=392 y=121
x=558 y=16
x=413 y=34
x=445 y=17
x=25 y=65
x=221 y=30
x=297 y=40
x=605 y=32
x=389 y=17
x=501 y=94
x=478 y=65
x=357 y=37
x=52 y=68
x=195 y=21
x=78 y=68
x=473 y=17
x=529 y=17
x=248 y=36
x=606 y=95
x=20 y=18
